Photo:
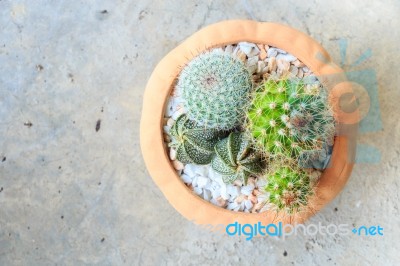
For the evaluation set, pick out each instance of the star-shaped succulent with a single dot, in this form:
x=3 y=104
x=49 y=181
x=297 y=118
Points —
x=235 y=158
x=193 y=143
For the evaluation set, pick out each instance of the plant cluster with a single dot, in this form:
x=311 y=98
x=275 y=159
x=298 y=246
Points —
x=237 y=128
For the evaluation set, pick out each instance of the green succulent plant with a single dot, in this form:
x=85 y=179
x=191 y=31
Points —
x=289 y=188
x=235 y=159
x=215 y=88
x=289 y=117
x=193 y=143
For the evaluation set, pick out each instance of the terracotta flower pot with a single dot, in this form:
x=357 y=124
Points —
x=161 y=83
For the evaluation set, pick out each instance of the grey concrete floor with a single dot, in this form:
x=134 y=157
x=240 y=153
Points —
x=74 y=195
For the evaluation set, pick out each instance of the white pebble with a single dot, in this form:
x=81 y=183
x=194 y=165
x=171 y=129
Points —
x=212 y=174
x=262 y=197
x=236 y=50
x=166 y=129
x=260 y=66
x=215 y=190
x=224 y=193
x=311 y=78
x=170 y=107
x=197 y=190
x=229 y=49
x=177 y=165
x=208 y=186
x=194 y=180
x=172 y=154
x=238 y=183
x=248 y=204
x=187 y=179
x=247 y=190
x=190 y=169
x=232 y=190
x=242 y=206
x=177 y=98
x=170 y=122
x=177 y=113
x=206 y=194
x=201 y=170
x=272 y=52
x=240 y=198
x=286 y=57
x=281 y=51
x=223 y=188
x=232 y=205
x=218 y=179
x=264 y=70
x=261 y=182
x=218 y=50
x=283 y=65
x=252 y=61
x=216 y=193
x=214 y=201
x=221 y=202
x=202 y=181
x=250 y=49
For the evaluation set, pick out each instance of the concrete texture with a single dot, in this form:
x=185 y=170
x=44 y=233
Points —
x=74 y=195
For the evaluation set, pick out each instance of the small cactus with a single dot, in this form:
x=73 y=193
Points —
x=288 y=117
x=215 y=87
x=289 y=188
x=193 y=143
x=235 y=159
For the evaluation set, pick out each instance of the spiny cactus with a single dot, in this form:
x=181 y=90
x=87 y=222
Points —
x=193 y=143
x=235 y=159
x=215 y=87
x=289 y=188
x=289 y=117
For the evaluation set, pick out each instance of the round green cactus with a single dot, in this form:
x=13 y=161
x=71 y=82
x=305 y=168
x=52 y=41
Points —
x=235 y=159
x=289 y=188
x=215 y=87
x=193 y=143
x=289 y=117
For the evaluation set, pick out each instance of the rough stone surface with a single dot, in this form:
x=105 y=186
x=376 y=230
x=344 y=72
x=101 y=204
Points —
x=73 y=186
